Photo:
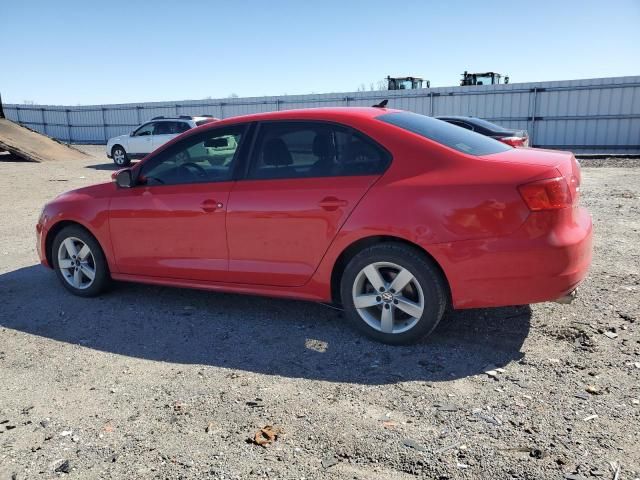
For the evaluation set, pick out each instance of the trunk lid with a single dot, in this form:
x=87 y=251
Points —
x=564 y=164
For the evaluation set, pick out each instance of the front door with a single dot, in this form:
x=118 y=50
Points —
x=304 y=180
x=172 y=224
x=141 y=141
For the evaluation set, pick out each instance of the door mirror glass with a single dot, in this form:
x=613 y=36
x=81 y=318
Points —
x=124 y=179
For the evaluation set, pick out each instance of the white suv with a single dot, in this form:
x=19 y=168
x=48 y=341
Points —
x=149 y=136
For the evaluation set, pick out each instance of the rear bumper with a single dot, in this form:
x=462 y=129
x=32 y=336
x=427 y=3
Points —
x=544 y=260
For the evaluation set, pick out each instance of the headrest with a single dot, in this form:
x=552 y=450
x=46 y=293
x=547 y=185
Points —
x=276 y=153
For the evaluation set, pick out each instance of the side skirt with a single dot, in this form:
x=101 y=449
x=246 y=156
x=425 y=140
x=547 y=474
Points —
x=297 y=293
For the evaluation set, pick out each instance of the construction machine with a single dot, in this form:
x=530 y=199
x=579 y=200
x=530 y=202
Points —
x=486 y=78
x=406 y=83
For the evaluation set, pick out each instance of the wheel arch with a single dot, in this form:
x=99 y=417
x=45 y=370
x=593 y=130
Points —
x=354 y=248
x=113 y=147
x=55 y=229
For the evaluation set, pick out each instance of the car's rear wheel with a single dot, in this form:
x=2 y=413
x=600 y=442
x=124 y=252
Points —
x=393 y=293
x=120 y=157
x=79 y=262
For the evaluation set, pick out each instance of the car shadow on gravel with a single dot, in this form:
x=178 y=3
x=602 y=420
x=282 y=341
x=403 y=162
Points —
x=269 y=336
x=110 y=166
x=104 y=166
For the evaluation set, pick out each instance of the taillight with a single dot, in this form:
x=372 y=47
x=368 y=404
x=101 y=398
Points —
x=514 y=141
x=549 y=194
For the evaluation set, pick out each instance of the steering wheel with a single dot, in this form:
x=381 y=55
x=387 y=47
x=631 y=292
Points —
x=200 y=172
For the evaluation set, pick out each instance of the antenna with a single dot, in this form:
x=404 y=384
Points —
x=382 y=104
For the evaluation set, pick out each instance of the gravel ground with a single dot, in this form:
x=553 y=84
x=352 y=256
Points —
x=151 y=382
x=622 y=162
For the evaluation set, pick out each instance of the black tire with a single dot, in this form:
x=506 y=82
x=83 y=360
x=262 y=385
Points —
x=97 y=262
x=429 y=282
x=119 y=156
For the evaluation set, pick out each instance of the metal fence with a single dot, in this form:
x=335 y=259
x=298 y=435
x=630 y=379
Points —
x=586 y=116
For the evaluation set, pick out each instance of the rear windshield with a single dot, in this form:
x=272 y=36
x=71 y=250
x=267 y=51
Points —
x=486 y=124
x=460 y=139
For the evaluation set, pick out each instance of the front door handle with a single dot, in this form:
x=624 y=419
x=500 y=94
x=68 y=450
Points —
x=211 y=205
x=332 y=203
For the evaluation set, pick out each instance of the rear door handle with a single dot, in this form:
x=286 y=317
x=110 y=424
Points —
x=211 y=205
x=332 y=203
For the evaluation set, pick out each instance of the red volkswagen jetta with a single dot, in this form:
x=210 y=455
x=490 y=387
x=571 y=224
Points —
x=391 y=214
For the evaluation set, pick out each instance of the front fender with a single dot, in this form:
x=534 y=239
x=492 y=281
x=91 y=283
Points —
x=87 y=207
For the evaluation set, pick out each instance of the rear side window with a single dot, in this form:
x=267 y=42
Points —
x=444 y=133
x=181 y=127
x=170 y=128
x=314 y=149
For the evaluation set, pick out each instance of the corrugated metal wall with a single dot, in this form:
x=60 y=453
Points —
x=586 y=116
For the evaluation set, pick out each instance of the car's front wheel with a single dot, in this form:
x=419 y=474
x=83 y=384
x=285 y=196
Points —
x=120 y=157
x=79 y=262
x=393 y=293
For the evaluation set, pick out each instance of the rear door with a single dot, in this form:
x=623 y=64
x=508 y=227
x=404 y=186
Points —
x=303 y=181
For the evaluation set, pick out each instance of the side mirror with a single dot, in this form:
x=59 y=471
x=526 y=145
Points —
x=124 y=179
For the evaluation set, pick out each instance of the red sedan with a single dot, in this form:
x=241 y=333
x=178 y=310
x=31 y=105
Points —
x=392 y=215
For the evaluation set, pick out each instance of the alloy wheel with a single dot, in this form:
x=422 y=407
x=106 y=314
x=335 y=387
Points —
x=119 y=156
x=76 y=263
x=388 y=297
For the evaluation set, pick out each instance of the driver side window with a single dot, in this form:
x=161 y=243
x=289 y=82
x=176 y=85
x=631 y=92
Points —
x=206 y=157
x=146 y=129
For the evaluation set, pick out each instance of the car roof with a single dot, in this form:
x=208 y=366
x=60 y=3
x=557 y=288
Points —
x=184 y=118
x=325 y=113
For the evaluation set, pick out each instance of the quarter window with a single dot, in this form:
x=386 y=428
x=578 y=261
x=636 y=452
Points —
x=313 y=149
x=207 y=157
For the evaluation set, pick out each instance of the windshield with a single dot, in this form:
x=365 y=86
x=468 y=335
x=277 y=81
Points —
x=460 y=139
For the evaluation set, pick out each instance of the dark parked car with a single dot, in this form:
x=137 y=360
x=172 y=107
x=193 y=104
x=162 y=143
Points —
x=515 y=138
